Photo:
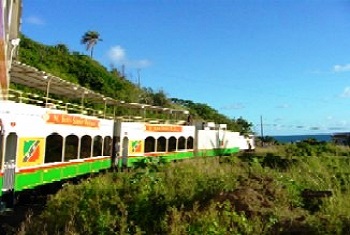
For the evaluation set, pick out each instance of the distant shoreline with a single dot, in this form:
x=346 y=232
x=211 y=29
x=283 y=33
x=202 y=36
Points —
x=297 y=138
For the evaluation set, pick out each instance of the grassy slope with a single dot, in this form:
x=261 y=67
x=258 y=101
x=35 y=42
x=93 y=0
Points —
x=250 y=194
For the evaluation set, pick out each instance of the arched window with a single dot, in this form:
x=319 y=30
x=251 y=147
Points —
x=190 y=142
x=107 y=146
x=97 y=150
x=161 y=144
x=53 y=149
x=172 y=144
x=85 y=147
x=181 y=143
x=71 y=148
x=150 y=144
x=11 y=147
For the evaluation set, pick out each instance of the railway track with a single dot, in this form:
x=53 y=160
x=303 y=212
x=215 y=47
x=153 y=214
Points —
x=11 y=219
x=33 y=202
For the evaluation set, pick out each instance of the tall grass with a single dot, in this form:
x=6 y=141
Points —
x=258 y=193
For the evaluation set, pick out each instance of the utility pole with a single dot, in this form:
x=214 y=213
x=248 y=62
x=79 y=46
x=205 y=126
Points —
x=123 y=70
x=262 y=131
x=138 y=78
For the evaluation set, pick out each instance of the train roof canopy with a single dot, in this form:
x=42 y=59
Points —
x=32 y=77
x=29 y=76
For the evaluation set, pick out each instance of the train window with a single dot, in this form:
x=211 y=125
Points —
x=85 y=147
x=150 y=144
x=172 y=144
x=190 y=143
x=11 y=147
x=53 y=149
x=107 y=146
x=161 y=144
x=97 y=150
x=181 y=144
x=71 y=148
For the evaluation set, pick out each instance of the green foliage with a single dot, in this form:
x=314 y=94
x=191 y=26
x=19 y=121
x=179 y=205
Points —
x=252 y=193
x=85 y=71
x=90 y=39
x=157 y=98
x=314 y=148
x=76 y=68
x=265 y=141
x=206 y=113
x=247 y=194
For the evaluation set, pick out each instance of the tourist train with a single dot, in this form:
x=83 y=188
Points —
x=45 y=140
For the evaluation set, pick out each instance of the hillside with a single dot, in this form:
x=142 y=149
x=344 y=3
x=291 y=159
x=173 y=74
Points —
x=78 y=68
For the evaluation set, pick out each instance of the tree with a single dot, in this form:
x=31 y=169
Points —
x=244 y=126
x=62 y=48
x=160 y=99
x=90 y=39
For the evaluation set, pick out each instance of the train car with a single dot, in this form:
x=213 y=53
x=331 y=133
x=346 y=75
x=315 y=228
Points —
x=166 y=141
x=43 y=145
x=215 y=140
x=45 y=140
x=10 y=12
x=169 y=142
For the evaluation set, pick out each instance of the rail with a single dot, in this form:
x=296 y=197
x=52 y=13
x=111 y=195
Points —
x=70 y=107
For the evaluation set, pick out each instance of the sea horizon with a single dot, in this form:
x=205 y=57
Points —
x=327 y=137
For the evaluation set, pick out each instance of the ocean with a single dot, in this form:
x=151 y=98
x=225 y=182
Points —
x=296 y=138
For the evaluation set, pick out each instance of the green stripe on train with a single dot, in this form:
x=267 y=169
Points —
x=132 y=161
x=176 y=156
x=166 y=158
x=217 y=152
x=29 y=180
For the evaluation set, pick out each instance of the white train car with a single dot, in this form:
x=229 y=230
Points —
x=42 y=145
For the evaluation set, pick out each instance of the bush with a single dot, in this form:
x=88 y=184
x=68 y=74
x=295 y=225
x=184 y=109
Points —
x=229 y=195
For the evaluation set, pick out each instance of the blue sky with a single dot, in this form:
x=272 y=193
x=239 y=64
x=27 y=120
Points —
x=285 y=60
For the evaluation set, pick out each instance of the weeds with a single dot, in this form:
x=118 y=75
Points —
x=258 y=193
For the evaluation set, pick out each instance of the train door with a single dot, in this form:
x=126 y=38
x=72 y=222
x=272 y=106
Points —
x=10 y=162
x=125 y=151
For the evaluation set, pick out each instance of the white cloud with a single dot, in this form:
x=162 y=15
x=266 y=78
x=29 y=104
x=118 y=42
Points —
x=346 y=93
x=118 y=56
x=342 y=123
x=341 y=68
x=34 y=20
x=336 y=128
x=339 y=125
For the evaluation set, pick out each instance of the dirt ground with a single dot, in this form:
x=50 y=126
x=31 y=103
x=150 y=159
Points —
x=258 y=197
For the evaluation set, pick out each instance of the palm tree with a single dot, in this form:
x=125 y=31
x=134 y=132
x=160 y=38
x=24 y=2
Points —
x=90 y=38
